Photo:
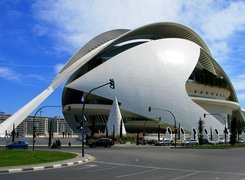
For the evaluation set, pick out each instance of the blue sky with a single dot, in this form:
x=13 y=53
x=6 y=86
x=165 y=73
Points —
x=37 y=37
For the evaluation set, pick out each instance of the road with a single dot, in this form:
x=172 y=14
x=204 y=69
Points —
x=148 y=162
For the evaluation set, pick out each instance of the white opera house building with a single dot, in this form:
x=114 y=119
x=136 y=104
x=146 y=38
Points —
x=165 y=66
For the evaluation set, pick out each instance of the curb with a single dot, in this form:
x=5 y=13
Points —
x=36 y=168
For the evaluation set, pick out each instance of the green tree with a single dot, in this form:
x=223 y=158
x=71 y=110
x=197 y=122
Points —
x=200 y=131
x=233 y=135
x=240 y=126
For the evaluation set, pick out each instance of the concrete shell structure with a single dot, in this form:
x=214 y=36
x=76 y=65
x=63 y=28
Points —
x=164 y=65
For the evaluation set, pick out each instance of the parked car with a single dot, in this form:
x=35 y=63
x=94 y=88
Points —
x=178 y=142
x=221 y=141
x=141 y=142
x=165 y=142
x=17 y=144
x=193 y=142
x=214 y=142
x=205 y=141
x=185 y=143
x=190 y=142
x=158 y=143
x=240 y=141
x=151 y=142
x=106 y=142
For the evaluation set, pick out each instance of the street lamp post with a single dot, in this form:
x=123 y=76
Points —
x=225 y=130
x=33 y=125
x=150 y=108
x=158 y=129
x=13 y=133
x=50 y=132
x=112 y=86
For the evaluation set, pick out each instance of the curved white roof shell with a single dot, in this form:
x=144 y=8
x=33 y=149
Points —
x=154 y=73
x=146 y=75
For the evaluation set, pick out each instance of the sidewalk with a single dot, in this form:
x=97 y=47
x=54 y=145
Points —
x=58 y=164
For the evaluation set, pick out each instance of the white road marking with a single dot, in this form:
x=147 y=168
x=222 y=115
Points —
x=133 y=174
x=187 y=175
x=91 y=165
x=85 y=167
x=171 y=169
x=104 y=169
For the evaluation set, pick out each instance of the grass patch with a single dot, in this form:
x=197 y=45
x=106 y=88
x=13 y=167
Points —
x=218 y=146
x=24 y=157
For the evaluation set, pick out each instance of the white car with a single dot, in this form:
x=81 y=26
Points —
x=213 y=142
x=165 y=142
x=240 y=141
x=190 y=142
x=221 y=141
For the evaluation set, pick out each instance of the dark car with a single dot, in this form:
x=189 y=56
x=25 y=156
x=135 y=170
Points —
x=17 y=144
x=106 y=142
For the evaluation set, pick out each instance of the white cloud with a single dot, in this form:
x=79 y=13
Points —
x=23 y=79
x=241 y=76
x=241 y=95
x=23 y=65
x=75 y=22
x=9 y=74
x=239 y=84
x=221 y=25
x=35 y=77
x=224 y=22
x=58 y=67
x=216 y=22
x=220 y=50
x=40 y=30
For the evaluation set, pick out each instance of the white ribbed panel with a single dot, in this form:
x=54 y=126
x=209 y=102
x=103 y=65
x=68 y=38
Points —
x=168 y=134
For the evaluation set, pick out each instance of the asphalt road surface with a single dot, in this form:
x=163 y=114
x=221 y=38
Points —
x=148 y=162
